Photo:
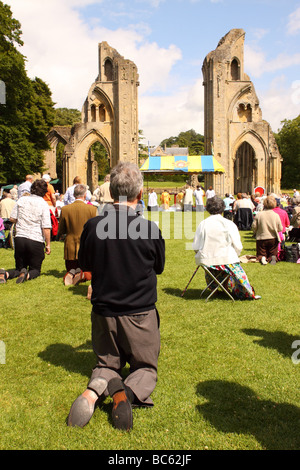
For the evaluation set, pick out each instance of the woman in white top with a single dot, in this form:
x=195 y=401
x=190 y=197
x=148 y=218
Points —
x=31 y=215
x=217 y=244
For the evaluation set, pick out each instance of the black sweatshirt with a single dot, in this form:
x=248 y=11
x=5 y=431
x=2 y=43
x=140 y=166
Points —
x=124 y=252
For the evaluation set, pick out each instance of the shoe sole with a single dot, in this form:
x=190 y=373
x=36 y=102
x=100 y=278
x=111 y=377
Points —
x=122 y=416
x=22 y=277
x=68 y=280
x=122 y=410
x=81 y=411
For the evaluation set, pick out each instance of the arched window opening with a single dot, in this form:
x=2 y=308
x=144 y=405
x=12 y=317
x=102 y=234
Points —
x=108 y=70
x=245 y=173
x=102 y=113
x=235 y=70
x=245 y=112
x=93 y=113
x=60 y=148
x=100 y=155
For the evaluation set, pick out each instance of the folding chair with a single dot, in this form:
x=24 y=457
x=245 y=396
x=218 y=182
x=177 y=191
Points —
x=214 y=278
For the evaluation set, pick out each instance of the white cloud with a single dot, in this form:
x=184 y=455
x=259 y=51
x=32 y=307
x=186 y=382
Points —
x=63 y=50
x=280 y=102
x=294 y=22
x=170 y=115
x=256 y=62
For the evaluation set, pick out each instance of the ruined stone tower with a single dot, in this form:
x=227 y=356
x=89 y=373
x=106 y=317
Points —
x=234 y=130
x=109 y=116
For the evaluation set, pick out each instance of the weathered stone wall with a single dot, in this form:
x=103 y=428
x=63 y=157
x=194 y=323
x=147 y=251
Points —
x=242 y=141
x=109 y=116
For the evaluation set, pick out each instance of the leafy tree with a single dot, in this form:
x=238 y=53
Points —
x=66 y=117
x=288 y=140
x=190 y=139
x=28 y=113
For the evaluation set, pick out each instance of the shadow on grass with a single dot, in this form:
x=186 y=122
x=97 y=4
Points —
x=79 y=360
x=54 y=273
x=233 y=408
x=278 y=340
x=194 y=294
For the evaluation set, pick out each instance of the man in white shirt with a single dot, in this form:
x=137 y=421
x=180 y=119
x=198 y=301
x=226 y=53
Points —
x=210 y=193
x=152 y=201
x=199 y=193
x=26 y=186
x=188 y=199
x=69 y=194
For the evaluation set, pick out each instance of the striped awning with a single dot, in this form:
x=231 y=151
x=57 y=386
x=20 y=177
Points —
x=186 y=164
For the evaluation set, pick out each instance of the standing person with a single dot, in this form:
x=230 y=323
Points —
x=180 y=197
x=266 y=227
x=104 y=192
x=124 y=253
x=69 y=194
x=199 y=193
x=188 y=199
x=165 y=200
x=25 y=187
x=210 y=193
x=33 y=230
x=152 y=201
x=72 y=219
x=49 y=196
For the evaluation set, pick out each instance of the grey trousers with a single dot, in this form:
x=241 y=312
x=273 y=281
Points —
x=129 y=338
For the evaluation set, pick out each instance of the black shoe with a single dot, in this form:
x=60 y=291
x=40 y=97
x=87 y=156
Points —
x=122 y=410
x=22 y=276
x=82 y=409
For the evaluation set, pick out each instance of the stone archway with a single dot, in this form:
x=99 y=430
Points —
x=245 y=177
x=232 y=115
x=109 y=115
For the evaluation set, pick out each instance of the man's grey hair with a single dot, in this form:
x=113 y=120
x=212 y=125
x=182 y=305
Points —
x=215 y=205
x=79 y=190
x=126 y=181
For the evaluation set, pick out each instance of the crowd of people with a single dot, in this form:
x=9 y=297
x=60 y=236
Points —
x=99 y=232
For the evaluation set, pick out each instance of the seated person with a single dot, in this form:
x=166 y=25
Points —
x=217 y=244
x=294 y=234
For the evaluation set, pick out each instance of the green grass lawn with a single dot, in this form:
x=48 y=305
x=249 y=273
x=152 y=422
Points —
x=226 y=379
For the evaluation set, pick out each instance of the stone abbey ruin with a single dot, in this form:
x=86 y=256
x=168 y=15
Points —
x=241 y=140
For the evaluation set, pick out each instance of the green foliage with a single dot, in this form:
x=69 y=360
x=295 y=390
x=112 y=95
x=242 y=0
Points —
x=28 y=113
x=101 y=157
x=288 y=140
x=66 y=117
x=190 y=139
x=226 y=380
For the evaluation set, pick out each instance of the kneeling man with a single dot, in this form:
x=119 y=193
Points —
x=124 y=252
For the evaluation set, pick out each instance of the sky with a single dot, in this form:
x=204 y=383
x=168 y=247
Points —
x=168 y=40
